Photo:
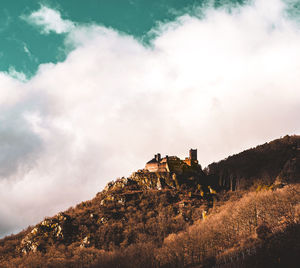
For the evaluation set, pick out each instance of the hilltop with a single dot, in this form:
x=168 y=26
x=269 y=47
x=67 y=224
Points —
x=275 y=162
x=174 y=214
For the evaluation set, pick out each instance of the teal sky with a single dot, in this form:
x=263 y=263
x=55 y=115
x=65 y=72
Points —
x=23 y=47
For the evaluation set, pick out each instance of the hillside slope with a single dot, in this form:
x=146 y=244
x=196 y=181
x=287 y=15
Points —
x=279 y=159
x=185 y=218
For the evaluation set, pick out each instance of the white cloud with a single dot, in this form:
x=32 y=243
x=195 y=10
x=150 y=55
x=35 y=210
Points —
x=221 y=84
x=17 y=75
x=26 y=50
x=50 y=20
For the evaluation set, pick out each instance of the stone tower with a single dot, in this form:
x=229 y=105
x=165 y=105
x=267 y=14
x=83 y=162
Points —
x=193 y=154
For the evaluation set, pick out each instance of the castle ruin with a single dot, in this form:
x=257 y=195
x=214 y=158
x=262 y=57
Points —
x=158 y=164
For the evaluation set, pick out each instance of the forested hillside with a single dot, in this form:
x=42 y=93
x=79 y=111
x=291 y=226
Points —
x=278 y=159
x=193 y=219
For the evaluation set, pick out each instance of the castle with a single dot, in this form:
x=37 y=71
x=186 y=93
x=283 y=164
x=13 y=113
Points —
x=158 y=164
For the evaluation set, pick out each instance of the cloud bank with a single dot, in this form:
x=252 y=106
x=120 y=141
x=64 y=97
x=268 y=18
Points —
x=50 y=20
x=220 y=84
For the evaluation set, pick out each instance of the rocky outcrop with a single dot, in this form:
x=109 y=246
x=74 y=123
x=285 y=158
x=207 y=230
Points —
x=48 y=229
x=121 y=195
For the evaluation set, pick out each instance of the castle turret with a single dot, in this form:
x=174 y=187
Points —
x=192 y=159
x=193 y=154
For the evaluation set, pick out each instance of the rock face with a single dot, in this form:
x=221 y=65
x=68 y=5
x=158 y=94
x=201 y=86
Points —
x=118 y=213
x=48 y=229
x=188 y=176
x=263 y=164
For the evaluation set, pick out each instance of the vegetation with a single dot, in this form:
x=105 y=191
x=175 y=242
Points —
x=165 y=221
x=279 y=159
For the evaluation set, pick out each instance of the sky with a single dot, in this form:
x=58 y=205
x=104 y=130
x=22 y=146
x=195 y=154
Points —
x=91 y=90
